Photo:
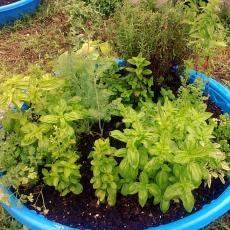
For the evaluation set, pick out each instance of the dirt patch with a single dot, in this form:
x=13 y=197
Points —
x=83 y=212
x=220 y=68
x=38 y=42
x=6 y=2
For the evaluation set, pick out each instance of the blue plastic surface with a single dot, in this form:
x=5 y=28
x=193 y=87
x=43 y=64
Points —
x=195 y=221
x=121 y=62
x=219 y=94
x=14 y=11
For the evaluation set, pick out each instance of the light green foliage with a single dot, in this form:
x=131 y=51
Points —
x=160 y=36
x=64 y=175
x=169 y=150
x=105 y=172
x=105 y=7
x=135 y=86
x=84 y=18
x=18 y=89
x=83 y=70
x=206 y=30
x=41 y=137
x=63 y=114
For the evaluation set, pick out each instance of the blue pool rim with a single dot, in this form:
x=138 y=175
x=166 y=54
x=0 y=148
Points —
x=209 y=212
x=12 y=12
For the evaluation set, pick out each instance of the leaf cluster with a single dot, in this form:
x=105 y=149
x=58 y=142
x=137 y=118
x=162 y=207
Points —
x=84 y=19
x=134 y=86
x=41 y=137
x=206 y=31
x=83 y=71
x=105 y=173
x=169 y=152
x=105 y=7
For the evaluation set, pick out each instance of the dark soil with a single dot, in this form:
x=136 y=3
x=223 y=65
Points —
x=83 y=211
x=213 y=108
x=6 y=2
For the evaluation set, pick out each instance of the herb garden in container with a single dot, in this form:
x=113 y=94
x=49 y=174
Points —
x=110 y=143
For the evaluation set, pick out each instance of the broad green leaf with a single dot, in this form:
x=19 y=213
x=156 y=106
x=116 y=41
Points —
x=177 y=170
x=181 y=158
x=164 y=206
x=45 y=172
x=143 y=157
x=55 y=181
x=133 y=188
x=67 y=172
x=133 y=156
x=119 y=136
x=76 y=189
x=112 y=199
x=144 y=178
x=73 y=116
x=195 y=173
x=101 y=195
x=62 y=185
x=28 y=139
x=126 y=170
x=5 y=101
x=105 y=48
x=50 y=119
x=147 y=72
x=188 y=200
x=49 y=82
x=154 y=164
x=162 y=179
x=142 y=197
x=173 y=191
x=65 y=192
x=154 y=190
x=120 y=152
x=97 y=184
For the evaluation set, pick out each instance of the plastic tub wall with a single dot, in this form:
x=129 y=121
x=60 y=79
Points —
x=210 y=212
x=14 y=11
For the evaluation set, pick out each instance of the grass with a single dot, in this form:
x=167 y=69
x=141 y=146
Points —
x=40 y=39
x=221 y=66
x=36 y=40
x=7 y=223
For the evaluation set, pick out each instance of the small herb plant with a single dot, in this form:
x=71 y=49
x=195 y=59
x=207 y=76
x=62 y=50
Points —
x=135 y=86
x=161 y=36
x=206 y=31
x=83 y=71
x=105 y=7
x=84 y=19
x=105 y=172
x=169 y=151
x=41 y=137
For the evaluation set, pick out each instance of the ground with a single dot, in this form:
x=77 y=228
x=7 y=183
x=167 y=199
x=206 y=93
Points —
x=40 y=39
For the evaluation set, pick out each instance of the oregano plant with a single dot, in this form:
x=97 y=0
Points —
x=135 y=85
x=41 y=137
